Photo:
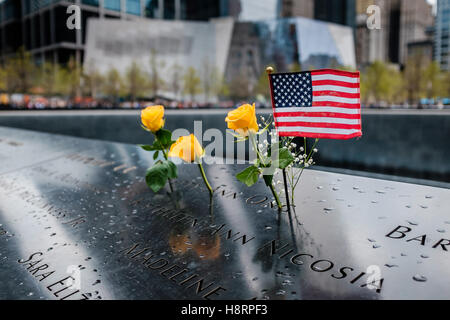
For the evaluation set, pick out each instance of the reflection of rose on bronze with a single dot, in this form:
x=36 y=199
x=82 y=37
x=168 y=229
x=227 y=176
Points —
x=180 y=243
x=205 y=246
x=208 y=247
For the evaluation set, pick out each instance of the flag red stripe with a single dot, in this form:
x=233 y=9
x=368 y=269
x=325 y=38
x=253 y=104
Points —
x=336 y=104
x=320 y=125
x=317 y=93
x=320 y=135
x=335 y=83
x=317 y=114
x=336 y=73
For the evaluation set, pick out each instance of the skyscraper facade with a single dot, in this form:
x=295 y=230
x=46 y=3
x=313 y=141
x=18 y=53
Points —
x=40 y=25
x=442 y=33
x=336 y=11
x=402 y=23
x=415 y=18
x=297 y=8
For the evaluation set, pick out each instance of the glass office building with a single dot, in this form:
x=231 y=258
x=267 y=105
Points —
x=40 y=25
x=442 y=34
x=260 y=35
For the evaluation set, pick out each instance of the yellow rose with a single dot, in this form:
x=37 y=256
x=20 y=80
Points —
x=243 y=119
x=187 y=148
x=152 y=118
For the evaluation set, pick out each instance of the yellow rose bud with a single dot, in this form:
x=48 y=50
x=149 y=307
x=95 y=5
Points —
x=152 y=118
x=187 y=148
x=243 y=119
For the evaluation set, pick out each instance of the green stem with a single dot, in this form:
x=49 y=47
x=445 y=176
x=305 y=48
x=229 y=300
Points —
x=206 y=180
x=255 y=147
x=277 y=199
x=306 y=160
x=167 y=158
x=252 y=139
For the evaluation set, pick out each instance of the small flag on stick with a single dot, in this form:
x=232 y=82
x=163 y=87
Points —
x=317 y=104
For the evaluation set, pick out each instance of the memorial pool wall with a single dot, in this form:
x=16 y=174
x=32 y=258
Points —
x=410 y=144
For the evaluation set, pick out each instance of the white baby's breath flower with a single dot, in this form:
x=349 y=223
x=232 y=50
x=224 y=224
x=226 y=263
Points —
x=302 y=149
x=315 y=150
x=306 y=165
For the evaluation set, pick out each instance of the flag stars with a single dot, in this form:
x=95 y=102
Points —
x=292 y=90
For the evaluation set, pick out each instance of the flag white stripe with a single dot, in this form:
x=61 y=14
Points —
x=334 y=77
x=318 y=120
x=318 y=130
x=335 y=99
x=319 y=109
x=335 y=88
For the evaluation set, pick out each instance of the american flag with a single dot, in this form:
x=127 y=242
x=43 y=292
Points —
x=317 y=104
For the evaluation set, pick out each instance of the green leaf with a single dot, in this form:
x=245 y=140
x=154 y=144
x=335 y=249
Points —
x=172 y=170
x=286 y=158
x=156 y=177
x=149 y=148
x=273 y=146
x=164 y=137
x=268 y=180
x=155 y=155
x=249 y=176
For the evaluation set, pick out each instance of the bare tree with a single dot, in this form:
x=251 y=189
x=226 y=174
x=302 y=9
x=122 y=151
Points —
x=240 y=87
x=136 y=81
x=413 y=75
x=113 y=85
x=2 y=79
x=434 y=81
x=156 y=68
x=48 y=78
x=191 y=82
x=92 y=80
x=20 y=72
x=176 y=79
x=207 y=79
x=213 y=82
x=73 y=75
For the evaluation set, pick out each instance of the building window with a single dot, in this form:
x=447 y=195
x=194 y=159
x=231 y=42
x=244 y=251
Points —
x=151 y=6
x=90 y=2
x=27 y=6
x=112 y=4
x=134 y=7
